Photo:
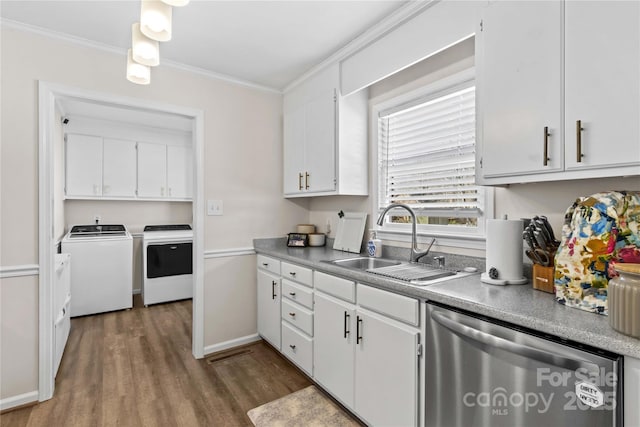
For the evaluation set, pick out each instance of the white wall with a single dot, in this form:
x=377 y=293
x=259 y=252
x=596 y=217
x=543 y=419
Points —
x=243 y=167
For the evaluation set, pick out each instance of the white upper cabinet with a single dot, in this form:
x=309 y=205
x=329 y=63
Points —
x=519 y=87
x=557 y=99
x=164 y=171
x=325 y=138
x=602 y=84
x=152 y=170
x=83 y=166
x=179 y=176
x=119 y=168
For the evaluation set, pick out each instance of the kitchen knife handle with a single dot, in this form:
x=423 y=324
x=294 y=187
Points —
x=545 y=158
x=579 y=130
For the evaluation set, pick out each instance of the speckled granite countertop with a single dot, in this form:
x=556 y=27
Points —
x=517 y=304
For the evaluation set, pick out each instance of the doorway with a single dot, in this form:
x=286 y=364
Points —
x=51 y=97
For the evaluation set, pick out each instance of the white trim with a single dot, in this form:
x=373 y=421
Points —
x=19 y=270
x=236 y=342
x=48 y=93
x=388 y=24
x=19 y=400
x=21 y=26
x=221 y=253
x=136 y=292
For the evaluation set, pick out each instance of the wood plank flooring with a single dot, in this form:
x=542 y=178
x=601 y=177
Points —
x=135 y=368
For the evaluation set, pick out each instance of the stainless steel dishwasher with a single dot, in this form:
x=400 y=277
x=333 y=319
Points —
x=481 y=372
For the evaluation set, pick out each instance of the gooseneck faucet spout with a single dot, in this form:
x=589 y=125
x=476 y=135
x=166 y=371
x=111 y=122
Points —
x=415 y=253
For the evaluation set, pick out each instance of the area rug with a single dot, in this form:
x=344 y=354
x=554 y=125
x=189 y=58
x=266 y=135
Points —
x=307 y=407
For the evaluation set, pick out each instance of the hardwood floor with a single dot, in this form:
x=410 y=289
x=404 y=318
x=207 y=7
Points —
x=135 y=368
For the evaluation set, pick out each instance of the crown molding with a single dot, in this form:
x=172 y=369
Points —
x=20 y=26
x=388 y=24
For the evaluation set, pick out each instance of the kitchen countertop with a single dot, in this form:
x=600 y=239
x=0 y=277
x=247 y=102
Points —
x=518 y=304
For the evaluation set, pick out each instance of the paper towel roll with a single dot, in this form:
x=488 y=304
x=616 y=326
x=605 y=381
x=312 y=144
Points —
x=504 y=252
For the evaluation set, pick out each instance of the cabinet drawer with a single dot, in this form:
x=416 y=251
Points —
x=269 y=264
x=300 y=294
x=399 y=307
x=299 y=274
x=341 y=288
x=297 y=347
x=298 y=316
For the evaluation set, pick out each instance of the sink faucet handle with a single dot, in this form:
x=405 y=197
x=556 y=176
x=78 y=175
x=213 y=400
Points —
x=421 y=254
x=440 y=260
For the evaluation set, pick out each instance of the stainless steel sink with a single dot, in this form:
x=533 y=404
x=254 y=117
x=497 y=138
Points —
x=364 y=263
x=416 y=274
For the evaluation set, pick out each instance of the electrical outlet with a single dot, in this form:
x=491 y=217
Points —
x=214 y=207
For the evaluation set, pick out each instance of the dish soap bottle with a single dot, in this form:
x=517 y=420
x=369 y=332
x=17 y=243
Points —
x=374 y=245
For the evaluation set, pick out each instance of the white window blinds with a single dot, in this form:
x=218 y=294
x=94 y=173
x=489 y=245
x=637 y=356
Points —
x=427 y=154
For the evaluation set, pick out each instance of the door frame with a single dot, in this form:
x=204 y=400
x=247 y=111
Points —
x=48 y=95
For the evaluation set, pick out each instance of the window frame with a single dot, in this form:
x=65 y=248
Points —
x=446 y=235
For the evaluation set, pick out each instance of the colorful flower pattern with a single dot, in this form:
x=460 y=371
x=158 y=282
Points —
x=598 y=231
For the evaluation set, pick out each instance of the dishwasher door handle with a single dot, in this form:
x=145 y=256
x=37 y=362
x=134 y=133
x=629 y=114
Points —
x=488 y=341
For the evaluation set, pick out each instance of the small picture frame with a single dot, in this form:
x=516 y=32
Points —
x=298 y=240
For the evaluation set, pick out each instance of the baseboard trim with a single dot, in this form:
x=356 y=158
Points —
x=20 y=400
x=221 y=253
x=19 y=270
x=231 y=343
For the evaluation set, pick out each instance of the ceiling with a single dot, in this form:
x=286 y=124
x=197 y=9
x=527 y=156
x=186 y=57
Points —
x=265 y=43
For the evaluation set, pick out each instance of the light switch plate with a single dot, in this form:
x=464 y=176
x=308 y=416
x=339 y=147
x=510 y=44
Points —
x=214 y=207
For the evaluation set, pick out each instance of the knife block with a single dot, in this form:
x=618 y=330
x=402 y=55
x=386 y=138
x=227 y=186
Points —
x=543 y=278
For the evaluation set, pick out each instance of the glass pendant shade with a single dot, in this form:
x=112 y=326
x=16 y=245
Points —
x=137 y=73
x=177 y=3
x=145 y=51
x=155 y=20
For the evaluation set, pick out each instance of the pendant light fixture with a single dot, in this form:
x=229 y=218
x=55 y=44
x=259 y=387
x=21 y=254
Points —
x=155 y=20
x=137 y=73
x=176 y=3
x=144 y=50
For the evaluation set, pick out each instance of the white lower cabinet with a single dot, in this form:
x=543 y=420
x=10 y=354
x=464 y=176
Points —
x=631 y=391
x=268 y=295
x=367 y=360
x=386 y=371
x=334 y=349
x=298 y=347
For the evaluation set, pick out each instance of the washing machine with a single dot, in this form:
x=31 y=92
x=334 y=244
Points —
x=101 y=268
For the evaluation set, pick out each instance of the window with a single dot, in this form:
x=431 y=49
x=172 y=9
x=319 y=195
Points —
x=426 y=159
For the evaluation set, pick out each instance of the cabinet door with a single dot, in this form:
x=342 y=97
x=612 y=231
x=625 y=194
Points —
x=333 y=347
x=83 y=165
x=152 y=170
x=269 y=307
x=320 y=143
x=179 y=172
x=602 y=84
x=631 y=391
x=519 y=60
x=386 y=371
x=119 y=168
x=294 y=123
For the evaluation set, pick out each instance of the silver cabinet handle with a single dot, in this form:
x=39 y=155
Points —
x=545 y=154
x=488 y=342
x=579 y=130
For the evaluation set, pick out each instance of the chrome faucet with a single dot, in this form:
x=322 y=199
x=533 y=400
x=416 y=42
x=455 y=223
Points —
x=415 y=253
